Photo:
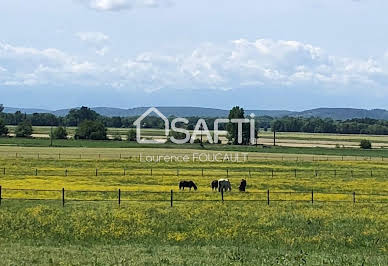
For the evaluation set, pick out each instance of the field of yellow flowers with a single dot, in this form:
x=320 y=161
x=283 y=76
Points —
x=200 y=229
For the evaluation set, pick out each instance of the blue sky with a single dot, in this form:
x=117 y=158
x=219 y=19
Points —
x=276 y=54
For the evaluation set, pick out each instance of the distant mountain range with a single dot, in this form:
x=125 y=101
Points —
x=334 y=113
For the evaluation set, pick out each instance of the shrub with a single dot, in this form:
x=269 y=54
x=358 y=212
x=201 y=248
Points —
x=366 y=144
x=131 y=136
x=94 y=130
x=24 y=129
x=3 y=129
x=59 y=133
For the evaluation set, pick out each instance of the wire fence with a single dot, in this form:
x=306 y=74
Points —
x=119 y=196
x=250 y=172
x=243 y=156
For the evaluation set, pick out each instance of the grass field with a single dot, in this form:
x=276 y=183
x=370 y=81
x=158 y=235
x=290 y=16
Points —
x=11 y=145
x=144 y=229
x=286 y=139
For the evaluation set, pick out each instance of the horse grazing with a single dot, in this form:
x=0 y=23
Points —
x=224 y=185
x=189 y=184
x=243 y=185
x=214 y=184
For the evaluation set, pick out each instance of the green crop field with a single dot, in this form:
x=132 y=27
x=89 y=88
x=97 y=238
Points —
x=284 y=139
x=319 y=212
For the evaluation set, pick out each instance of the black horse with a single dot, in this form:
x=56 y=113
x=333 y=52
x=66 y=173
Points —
x=214 y=184
x=243 y=185
x=189 y=184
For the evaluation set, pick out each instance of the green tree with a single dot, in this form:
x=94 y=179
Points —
x=77 y=116
x=366 y=144
x=237 y=113
x=3 y=129
x=59 y=133
x=131 y=136
x=91 y=130
x=24 y=129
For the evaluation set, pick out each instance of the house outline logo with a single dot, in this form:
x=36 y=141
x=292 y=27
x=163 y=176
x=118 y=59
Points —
x=137 y=123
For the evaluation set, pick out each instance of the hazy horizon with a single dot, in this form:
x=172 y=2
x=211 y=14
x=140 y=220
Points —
x=253 y=53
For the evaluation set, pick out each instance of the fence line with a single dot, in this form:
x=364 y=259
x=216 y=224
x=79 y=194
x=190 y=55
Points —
x=250 y=155
x=219 y=196
x=194 y=171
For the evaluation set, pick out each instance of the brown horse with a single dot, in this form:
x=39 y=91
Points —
x=189 y=184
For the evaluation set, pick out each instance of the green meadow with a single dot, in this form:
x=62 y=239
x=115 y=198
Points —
x=92 y=228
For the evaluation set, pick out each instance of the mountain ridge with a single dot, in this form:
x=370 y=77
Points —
x=323 y=112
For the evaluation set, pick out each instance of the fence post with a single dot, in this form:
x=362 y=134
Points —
x=36 y=171
x=0 y=195
x=99 y=156
x=63 y=197
x=371 y=173
x=59 y=156
x=312 y=196
x=151 y=171
x=268 y=197
x=351 y=173
x=96 y=172
x=120 y=155
x=272 y=172
x=354 y=197
x=4 y=171
x=119 y=197
x=65 y=172
x=124 y=171
x=172 y=198
x=222 y=195
x=295 y=172
x=335 y=173
x=38 y=156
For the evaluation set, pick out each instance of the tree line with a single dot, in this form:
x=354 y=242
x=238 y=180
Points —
x=327 y=125
x=76 y=116
x=91 y=125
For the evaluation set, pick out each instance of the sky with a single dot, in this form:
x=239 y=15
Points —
x=278 y=54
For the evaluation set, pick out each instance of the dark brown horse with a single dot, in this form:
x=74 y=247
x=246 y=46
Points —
x=214 y=184
x=189 y=184
x=243 y=185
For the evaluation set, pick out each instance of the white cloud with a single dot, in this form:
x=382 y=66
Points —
x=92 y=37
x=30 y=66
x=118 y=5
x=259 y=64
x=96 y=40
